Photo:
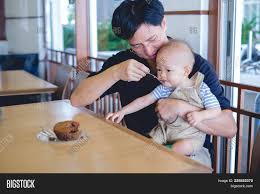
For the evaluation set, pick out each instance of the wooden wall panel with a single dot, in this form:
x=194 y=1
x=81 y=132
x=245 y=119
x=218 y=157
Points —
x=213 y=33
x=2 y=20
x=82 y=32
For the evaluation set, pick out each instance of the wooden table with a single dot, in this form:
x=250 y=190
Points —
x=20 y=82
x=108 y=148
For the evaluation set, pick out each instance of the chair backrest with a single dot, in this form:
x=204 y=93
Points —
x=81 y=75
x=255 y=160
x=62 y=80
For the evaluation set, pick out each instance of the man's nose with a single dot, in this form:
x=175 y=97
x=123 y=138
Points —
x=149 y=51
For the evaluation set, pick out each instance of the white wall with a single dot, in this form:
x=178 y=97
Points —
x=3 y=47
x=191 y=28
x=22 y=8
x=24 y=35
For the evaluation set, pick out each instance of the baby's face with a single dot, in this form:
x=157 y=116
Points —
x=170 y=71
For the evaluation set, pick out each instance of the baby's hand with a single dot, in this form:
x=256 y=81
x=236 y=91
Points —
x=194 y=118
x=115 y=117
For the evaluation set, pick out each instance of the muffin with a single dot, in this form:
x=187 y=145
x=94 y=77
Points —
x=67 y=130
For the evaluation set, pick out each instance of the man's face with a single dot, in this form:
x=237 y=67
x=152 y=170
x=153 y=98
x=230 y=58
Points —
x=148 y=39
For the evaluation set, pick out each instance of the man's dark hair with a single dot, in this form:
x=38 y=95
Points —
x=130 y=14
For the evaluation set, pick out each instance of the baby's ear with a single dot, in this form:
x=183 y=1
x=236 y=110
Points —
x=187 y=70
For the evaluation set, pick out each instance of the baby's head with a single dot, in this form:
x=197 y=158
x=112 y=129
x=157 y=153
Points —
x=174 y=63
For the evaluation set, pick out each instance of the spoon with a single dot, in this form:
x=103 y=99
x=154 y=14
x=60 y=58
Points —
x=154 y=77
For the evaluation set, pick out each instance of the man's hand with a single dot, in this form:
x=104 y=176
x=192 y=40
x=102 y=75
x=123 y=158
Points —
x=168 y=109
x=194 y=118
x=115 y=117
x=130 y=70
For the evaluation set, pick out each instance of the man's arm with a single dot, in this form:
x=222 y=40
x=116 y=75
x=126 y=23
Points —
x=92 y=88
x=87 y=91
x=224 y=125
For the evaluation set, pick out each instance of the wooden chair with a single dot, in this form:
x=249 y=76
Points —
x=255 y=160
x=78 y=77
x=63 y=81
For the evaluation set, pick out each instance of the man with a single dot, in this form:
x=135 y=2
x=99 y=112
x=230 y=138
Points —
x=142 y=23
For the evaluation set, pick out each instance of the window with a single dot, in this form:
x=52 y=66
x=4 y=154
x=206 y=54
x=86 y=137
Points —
x=60 y=24
x=108 y=43
x=240 y=59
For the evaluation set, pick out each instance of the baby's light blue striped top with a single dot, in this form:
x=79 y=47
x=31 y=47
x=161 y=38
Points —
x=208 y=99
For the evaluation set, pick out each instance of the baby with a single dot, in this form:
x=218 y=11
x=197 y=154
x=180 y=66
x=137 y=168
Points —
x=174 y=63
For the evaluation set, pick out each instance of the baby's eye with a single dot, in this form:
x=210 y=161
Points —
x=169 y=70
x=159 y=70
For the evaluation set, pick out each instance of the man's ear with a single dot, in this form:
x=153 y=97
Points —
x=164 y=24
x=187 y=70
